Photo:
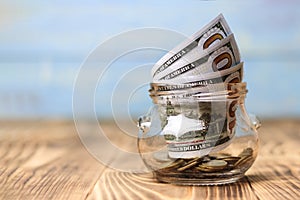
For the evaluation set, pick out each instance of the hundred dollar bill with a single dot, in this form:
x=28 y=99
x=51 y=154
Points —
x=209 y=35
x=217 y=58
x=197 y=81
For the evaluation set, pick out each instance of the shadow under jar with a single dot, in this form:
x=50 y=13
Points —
x=207 y=140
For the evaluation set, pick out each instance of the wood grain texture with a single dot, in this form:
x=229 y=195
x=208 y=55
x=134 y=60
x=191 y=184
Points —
x=46 y=160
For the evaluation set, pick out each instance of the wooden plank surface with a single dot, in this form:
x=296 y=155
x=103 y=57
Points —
x=46 y=160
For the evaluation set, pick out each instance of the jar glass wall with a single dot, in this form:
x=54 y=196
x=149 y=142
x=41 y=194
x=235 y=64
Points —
x=204 y=142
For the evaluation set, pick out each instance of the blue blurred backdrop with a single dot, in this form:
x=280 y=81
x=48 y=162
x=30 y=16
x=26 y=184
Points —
x=44 y=43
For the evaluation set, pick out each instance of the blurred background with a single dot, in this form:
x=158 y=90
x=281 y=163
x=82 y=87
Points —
x=43 y=44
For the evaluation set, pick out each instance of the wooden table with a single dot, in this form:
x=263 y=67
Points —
x=46 y=160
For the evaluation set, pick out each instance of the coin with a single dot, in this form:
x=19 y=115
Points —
x=219 y=155
x=177 y=163
x=231 y=159
x=215 y=164
x=246 y=152
x=212 y=166
x=203 y=169
x=243 y=161
x=189 y=164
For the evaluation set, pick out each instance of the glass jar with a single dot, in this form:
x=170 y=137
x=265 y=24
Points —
x=213 y=140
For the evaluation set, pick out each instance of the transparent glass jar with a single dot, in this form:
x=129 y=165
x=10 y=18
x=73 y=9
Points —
x=219 y=151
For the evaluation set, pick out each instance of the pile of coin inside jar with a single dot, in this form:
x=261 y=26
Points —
x=211 y=163
x=197 y=88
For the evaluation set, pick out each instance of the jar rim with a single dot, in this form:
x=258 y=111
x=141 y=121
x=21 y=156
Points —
x=209 y=93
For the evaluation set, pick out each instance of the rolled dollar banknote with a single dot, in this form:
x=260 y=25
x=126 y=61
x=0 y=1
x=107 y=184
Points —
x=217 y=58
x=201 y=80
x=209 y=35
